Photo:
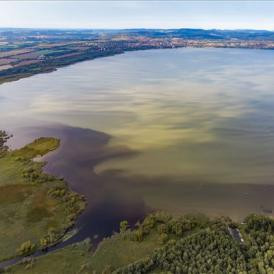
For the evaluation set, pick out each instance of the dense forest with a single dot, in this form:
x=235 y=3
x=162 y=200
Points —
x=199 y=245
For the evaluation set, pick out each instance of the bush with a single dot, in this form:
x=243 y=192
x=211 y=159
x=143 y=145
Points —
x=26 y=248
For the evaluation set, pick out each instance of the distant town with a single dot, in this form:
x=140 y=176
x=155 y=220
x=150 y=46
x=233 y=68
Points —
x=24 y=52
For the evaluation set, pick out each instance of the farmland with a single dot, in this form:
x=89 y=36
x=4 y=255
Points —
x=27 y=52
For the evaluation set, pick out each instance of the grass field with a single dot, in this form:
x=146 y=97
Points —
x=70 y=260
x=119 y=251
x=35 y=207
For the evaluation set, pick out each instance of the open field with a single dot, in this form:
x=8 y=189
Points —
x=70 y=260
x=14 y=52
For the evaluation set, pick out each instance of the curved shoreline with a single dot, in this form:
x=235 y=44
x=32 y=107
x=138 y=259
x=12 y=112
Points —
x=49 y=199
x=48 y=68
x=85 y=137
x=91 y=143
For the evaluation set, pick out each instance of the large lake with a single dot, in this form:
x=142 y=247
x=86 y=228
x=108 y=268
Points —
x=184 y=130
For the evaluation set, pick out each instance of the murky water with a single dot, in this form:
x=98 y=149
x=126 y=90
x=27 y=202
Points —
x=184 y=130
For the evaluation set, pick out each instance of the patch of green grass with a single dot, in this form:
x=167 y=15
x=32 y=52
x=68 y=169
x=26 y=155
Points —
x=39 y=147
x=11 y=171
x=28 y=211
x=69 y=260
x=10 y=194
x=118 y=251
x=37 y=214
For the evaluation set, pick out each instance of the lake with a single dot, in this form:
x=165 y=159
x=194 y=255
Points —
x=183 y=130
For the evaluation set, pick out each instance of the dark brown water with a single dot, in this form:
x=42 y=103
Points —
x=187 y=130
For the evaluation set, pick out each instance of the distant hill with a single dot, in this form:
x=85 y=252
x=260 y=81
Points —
x=204 y=34
x=186 y=33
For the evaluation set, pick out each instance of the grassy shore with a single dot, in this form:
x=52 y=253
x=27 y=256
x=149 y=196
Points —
x=70 y=260
x=36 y=208
x=164 y=244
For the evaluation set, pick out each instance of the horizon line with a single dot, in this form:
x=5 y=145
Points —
x=136 y=28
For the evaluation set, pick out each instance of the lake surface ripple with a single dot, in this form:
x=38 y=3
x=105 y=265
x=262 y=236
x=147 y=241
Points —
x=184 y=130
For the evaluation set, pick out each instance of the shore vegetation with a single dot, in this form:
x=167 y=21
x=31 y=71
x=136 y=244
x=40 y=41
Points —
x=36 y=208
x=166 y=244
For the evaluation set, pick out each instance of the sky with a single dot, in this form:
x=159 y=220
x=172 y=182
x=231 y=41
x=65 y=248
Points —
x=138 y=14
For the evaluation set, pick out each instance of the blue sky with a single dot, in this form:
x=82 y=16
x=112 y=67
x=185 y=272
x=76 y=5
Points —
x=138 y=14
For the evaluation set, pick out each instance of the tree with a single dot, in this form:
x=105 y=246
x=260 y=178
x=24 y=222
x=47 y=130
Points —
x=3 y=139
x=123 y=226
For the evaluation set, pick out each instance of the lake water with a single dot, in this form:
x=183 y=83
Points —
x=184 y=130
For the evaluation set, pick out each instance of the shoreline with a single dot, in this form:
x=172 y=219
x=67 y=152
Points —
x=31 y=175
x=49 y=68
x=13 y=78
x=60 y=245
x=78 y=216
